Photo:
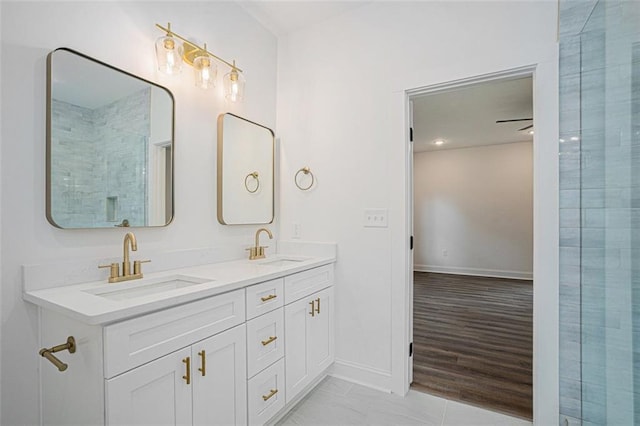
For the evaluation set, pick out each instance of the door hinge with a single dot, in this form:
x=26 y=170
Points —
x=410 y=134
x=411 y=243
x=411 y=349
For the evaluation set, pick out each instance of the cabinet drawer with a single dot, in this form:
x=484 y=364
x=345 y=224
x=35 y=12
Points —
x=139 y=340
x=265 y=341
x=266 y=394
x=304 y=283
x=264 y=297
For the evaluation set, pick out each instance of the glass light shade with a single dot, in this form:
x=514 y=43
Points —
x=169 y=55
x=205 y=72
x=234 y=86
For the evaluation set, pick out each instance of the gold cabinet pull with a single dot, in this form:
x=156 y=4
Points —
x=313 y=308
x=187 y=378
x=203 y=362
x=269 y=297
x=269 y=395
x=269 y=340
x=318 y=307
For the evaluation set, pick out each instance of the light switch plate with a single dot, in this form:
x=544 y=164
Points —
x=375 y=218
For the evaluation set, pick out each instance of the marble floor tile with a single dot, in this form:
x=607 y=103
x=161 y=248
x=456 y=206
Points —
x=340 y=403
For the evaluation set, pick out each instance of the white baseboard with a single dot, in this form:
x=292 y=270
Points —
x=516 y=275
x=362 y=375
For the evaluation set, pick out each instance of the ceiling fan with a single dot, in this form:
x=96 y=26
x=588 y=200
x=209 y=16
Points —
x=517 y=119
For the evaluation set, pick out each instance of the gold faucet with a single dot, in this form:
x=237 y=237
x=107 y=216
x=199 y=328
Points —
x=257 y=252
x=115 y=277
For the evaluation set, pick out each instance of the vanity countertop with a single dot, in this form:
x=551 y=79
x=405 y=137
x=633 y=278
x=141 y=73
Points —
x=100 y=303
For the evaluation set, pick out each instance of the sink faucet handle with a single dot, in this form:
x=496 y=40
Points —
x=137 y=266
x=114 y=269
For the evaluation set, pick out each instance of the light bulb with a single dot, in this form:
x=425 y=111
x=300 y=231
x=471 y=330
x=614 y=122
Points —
x=234 y=85
x=205 y=72
x=169 y=55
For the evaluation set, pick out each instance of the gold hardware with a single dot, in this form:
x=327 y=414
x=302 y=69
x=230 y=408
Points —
x=269 y=395
x=318 y=307
x=269 y=340
x=306 y=171
x=203 y=361
x=129 y=239
x=257 y=252
x=313 y=308
x=192 y=50
x=114 y=270
x=187 y=377
x=269 y=297
x=48 y=353
x=256 y=177
x=137 y=267
x=114 y=276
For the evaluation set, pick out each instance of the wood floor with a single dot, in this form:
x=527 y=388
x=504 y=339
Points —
x=473 y=340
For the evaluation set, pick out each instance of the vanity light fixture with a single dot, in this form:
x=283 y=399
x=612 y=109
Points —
x=170 y=54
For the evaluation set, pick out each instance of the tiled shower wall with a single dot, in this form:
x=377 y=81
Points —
x=99 y=156
x=600 y=211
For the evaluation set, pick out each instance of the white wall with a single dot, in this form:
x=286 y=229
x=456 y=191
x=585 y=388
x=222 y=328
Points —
x=121 y=34
x=473 y=211
x=342 y=111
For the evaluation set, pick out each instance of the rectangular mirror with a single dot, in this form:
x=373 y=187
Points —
x=245 y=171
x=109 y=146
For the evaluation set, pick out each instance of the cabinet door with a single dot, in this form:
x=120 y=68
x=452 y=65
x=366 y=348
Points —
x=309 y=337
x=220 y=382
x=320 y=350
x=152 y=394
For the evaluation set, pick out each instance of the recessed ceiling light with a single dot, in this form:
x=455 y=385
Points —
x=438 y=142
x=530 y=132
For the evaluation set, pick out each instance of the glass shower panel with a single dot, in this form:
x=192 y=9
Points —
x=610 y=213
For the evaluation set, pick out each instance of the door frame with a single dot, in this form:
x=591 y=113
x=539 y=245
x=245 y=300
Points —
x=545 y=233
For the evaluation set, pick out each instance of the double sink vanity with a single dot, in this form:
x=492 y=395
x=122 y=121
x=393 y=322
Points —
x=227 y=343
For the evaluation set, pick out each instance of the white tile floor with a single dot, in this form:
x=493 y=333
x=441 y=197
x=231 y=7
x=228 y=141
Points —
x=337 y=402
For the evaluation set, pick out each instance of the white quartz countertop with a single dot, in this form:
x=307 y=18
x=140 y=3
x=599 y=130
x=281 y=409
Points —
x=85 y=303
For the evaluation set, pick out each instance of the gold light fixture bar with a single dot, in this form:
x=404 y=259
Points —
x=191 y=50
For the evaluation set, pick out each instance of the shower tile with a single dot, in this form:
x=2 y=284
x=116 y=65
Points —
x=569 y=198
x=570 y=237
x=570 y=218
x=570 y=275
x=569 y=256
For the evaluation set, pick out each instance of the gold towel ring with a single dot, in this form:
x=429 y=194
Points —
x=246 y=183
x=306 y=171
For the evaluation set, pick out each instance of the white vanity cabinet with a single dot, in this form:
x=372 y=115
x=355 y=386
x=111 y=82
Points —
x=243 y=355
x=309 y=327
x=266 y=341
x=204 y=384
x=134 y=372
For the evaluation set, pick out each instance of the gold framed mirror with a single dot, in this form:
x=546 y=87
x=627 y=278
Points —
x=110 y=144
x=245 y=171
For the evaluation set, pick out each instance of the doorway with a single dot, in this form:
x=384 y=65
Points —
x=472 y=222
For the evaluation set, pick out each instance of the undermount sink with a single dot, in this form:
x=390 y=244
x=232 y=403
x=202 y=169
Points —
x=146 y=287
x=282 y=261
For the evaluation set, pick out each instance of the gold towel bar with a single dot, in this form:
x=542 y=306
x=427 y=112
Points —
x=48 y=353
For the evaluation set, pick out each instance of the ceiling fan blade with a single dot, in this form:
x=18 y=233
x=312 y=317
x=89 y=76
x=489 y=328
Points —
x=515 y=119
x=526 y=128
